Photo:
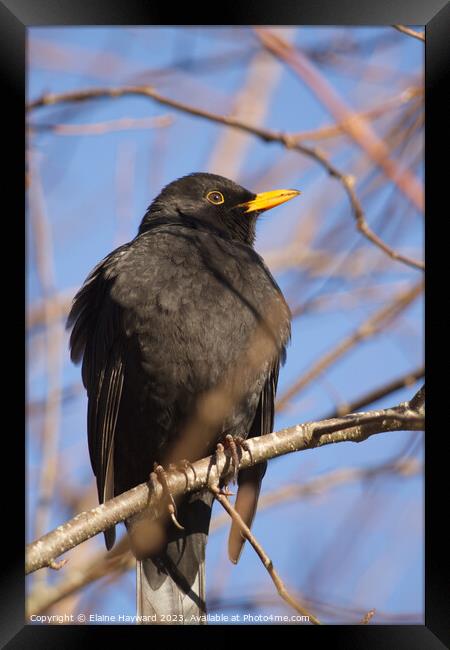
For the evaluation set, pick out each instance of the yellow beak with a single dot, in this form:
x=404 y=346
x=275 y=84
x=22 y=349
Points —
x=268 y=200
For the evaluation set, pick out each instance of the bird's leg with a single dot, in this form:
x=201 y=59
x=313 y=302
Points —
x=159 y=474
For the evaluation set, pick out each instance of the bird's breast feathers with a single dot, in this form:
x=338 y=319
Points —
x=190 y=297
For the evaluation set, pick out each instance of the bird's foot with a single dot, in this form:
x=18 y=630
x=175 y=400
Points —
x=234 y=444
x=224 y=491
x=221 y=486
x=159 y=476
x=183 y=466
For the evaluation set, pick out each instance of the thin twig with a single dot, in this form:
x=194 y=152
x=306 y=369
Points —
x=108 y=126
x=56 y=566
x=334 y=130
x=410 y=32
x=334 y=610
x=267 y=562
x=368 y=617
x=376 y=394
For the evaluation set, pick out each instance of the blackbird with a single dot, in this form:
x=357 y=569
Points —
x=184 y=313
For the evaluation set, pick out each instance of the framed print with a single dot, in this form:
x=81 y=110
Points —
x=224 y=330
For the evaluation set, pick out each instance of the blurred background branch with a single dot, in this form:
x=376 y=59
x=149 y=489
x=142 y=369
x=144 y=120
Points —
x=361 y=135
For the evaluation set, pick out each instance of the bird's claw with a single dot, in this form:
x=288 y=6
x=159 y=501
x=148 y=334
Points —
x=182 y=466
x=233 y=444
x=159 y=475
x=224 y=491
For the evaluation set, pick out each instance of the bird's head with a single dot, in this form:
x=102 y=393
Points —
x=217 y=201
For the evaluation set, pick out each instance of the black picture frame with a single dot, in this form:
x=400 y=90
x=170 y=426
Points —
x=18 y=15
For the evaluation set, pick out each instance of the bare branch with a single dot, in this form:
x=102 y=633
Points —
x=351 y=615
x=368 y=617
x=267 y=562
x=378 y=393
x=418 y=401
x=288 y=141
x=108 y=126
x=120 y=559
x=56 y=566
x=354 y=428
x=410 y=32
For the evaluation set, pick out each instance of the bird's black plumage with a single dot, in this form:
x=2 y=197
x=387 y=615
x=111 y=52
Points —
x=158 y=324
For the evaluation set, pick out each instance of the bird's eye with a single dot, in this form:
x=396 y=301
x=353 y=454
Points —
x=215 y=197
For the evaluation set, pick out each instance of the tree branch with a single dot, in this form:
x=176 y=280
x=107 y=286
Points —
x=288 y=141
x=378 y=393
x=267 y=562
x=120 y=559
x=353 y=428
x=410 y=32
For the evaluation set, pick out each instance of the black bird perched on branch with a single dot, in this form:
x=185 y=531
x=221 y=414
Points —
x=181 y=332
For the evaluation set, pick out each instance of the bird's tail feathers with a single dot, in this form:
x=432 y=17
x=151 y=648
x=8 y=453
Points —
x=170 y=588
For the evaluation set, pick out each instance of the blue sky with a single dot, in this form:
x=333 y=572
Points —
x=95 y=191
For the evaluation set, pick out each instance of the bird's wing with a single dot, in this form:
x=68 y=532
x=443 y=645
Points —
x=249 y=480
x=96 y=325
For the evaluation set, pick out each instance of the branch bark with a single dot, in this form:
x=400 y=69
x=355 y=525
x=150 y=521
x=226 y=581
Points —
x=120 y=559
x=351 y=428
